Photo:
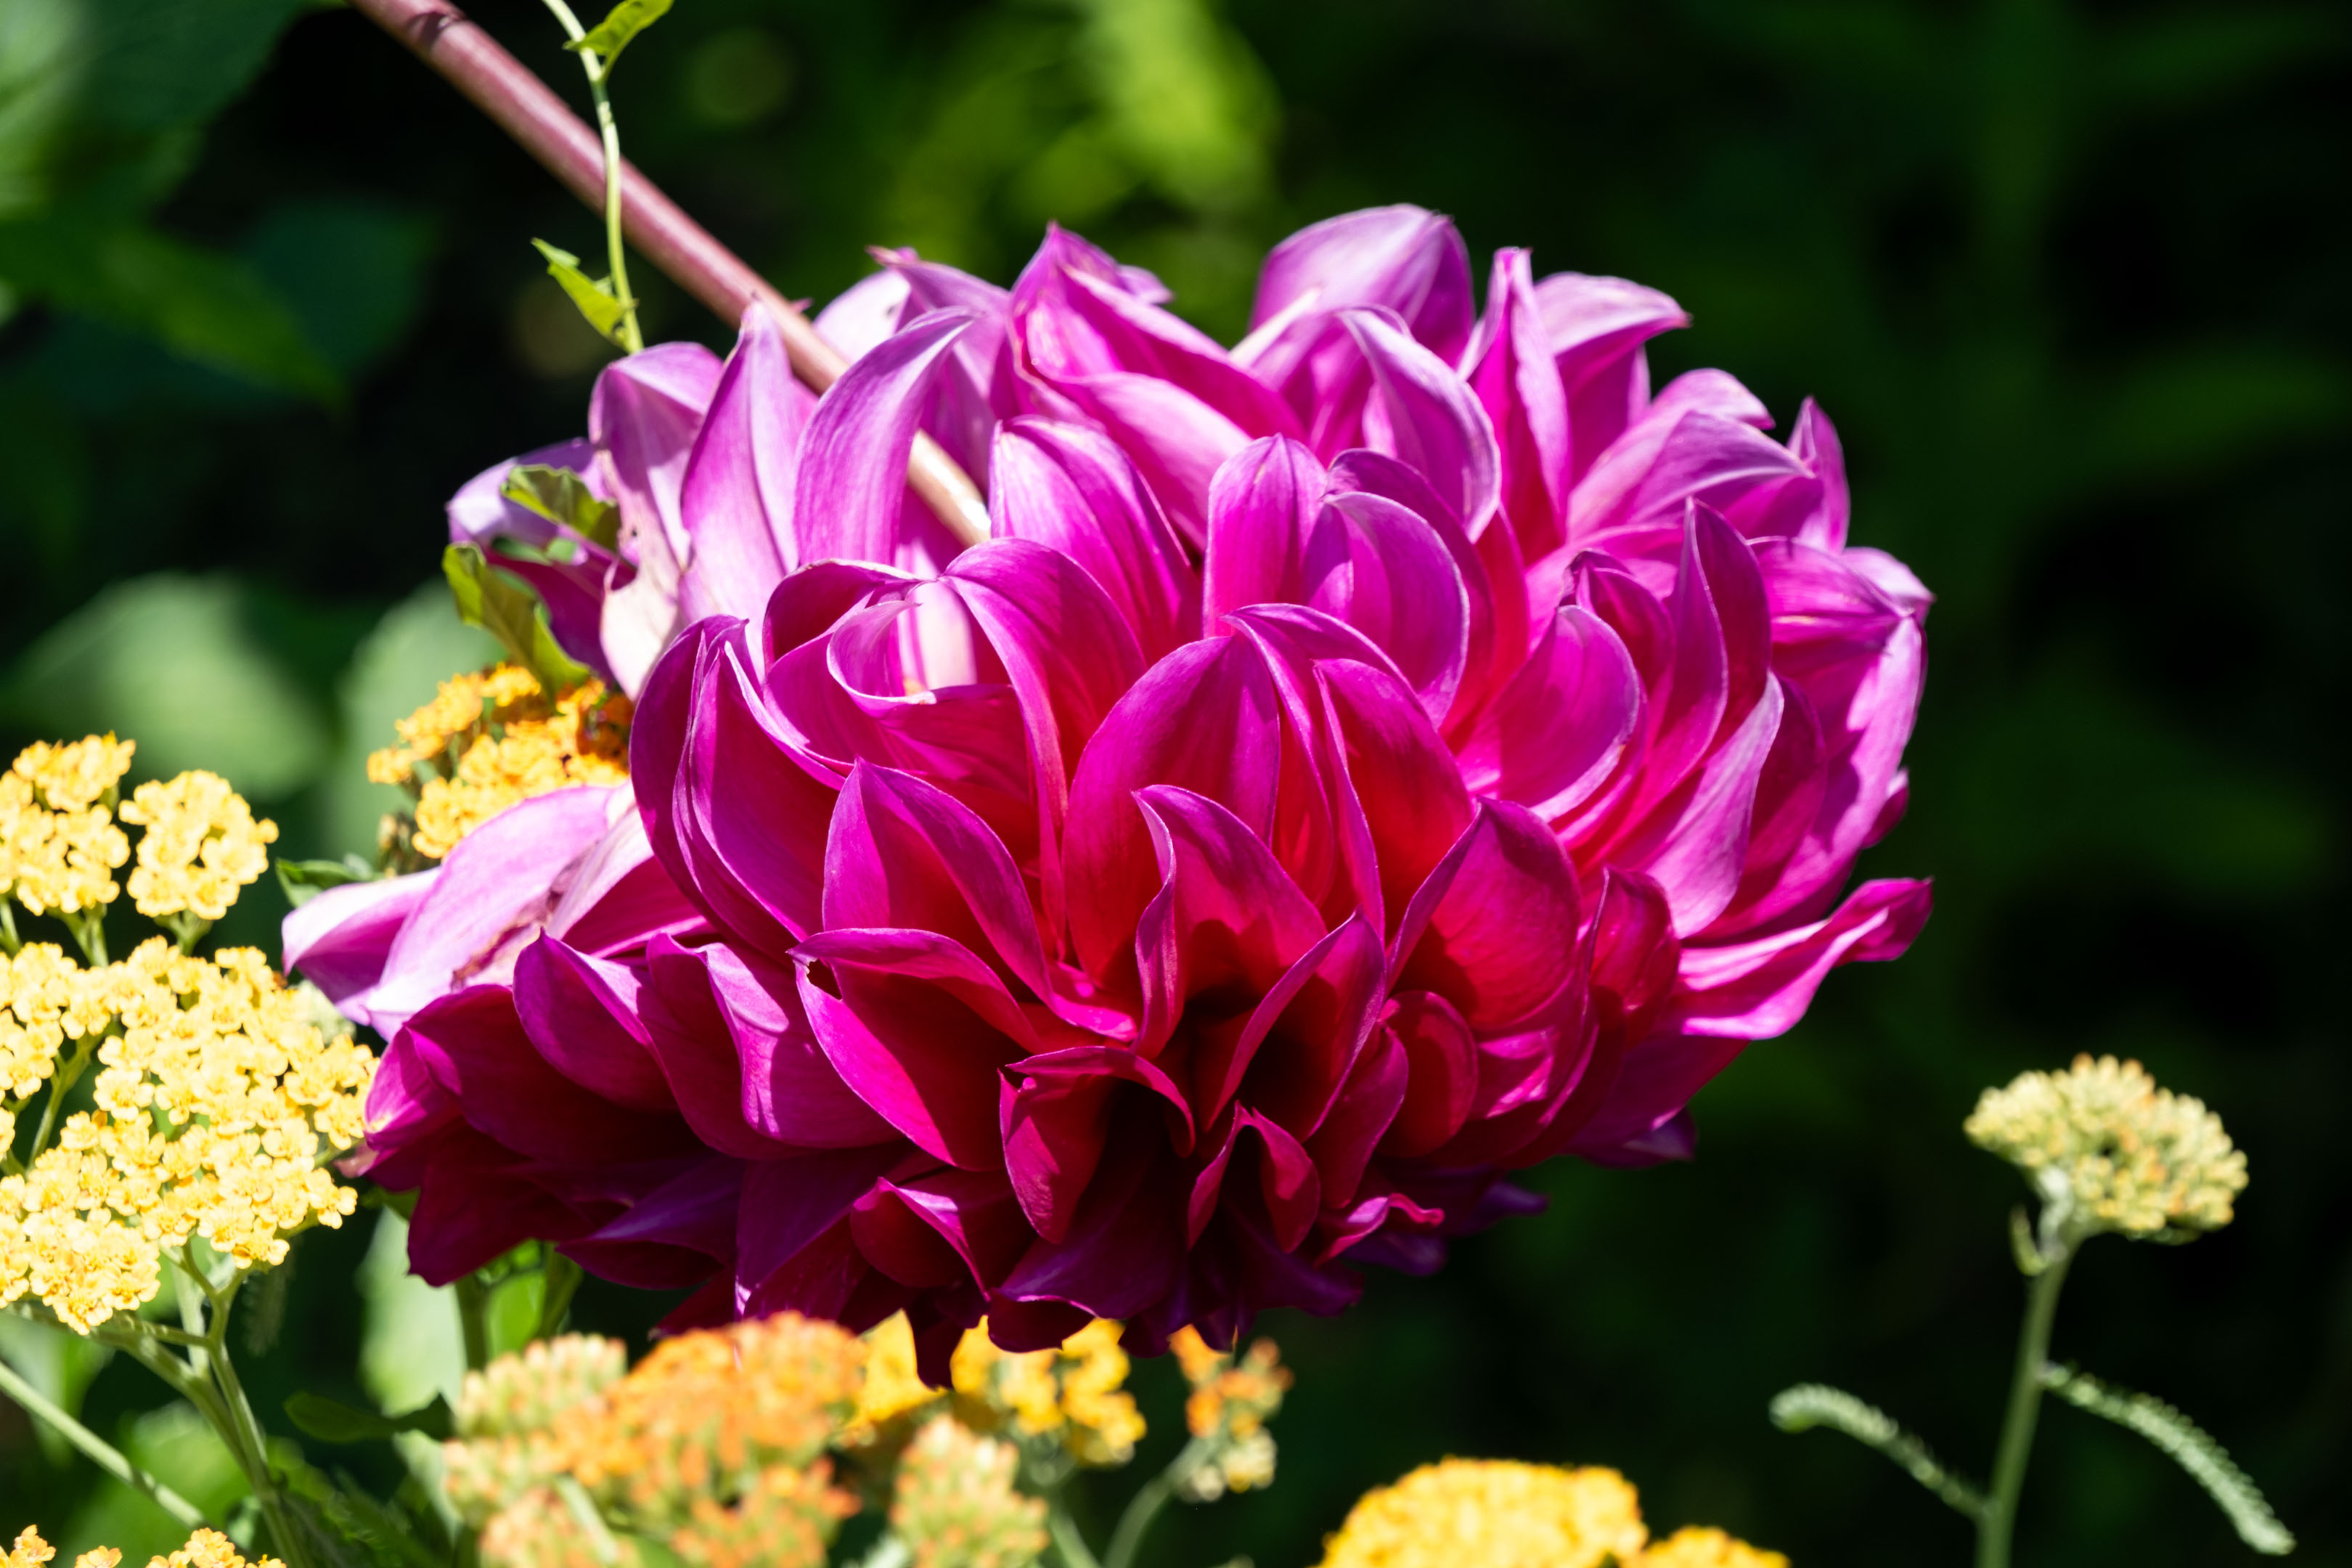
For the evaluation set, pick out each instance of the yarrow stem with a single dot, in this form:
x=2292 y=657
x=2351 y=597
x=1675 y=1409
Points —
x=1998 y=1524
x=102 y=1453
x=1149 y=1498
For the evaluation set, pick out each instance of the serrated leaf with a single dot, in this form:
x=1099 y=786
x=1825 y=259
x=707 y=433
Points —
x=332 y=1421
x=1811 y=1404
x=2190 y=1445
x=591 y=296
x=306 y=879
x=608 y=37
x=561 y=496
x=513 y=614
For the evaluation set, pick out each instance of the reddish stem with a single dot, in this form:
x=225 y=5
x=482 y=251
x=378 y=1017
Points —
x=525 y=109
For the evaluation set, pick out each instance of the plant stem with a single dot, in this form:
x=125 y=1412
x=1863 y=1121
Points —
x=243 y=1431
x=473 y=1317
x=1068 y=1542
x=8 y=937
x=1148 y=1500
x=103 y=1454
x=60 y=1081
x=1999 y=1522
x=617 y=261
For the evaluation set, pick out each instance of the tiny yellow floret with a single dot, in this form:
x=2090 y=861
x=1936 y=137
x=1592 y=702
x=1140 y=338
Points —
x=1496 y=1513
x=75 y=775
x=202 y=846
x=1702 y=1546
x=2125 y=1155
x=205 y=1549
x=1074 y=1391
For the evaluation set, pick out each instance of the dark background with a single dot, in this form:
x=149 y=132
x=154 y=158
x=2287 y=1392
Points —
x=2072 y=278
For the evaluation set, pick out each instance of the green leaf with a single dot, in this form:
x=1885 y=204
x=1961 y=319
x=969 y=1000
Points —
x=2190 y=1445
x=513 y=614
x=332 y=1421
x=561 y=496
x=348 y=1528
x=1811 y=1404
x=306 y=879
x=608 y=37
x=593 y=296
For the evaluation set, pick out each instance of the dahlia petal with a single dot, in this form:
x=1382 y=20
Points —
x=857 y=320
x=1756 y=990
x=1290 y=1188
x=736 y=497
x=850 y=491
x=792 y=1091
x=643 y=417
x=791 y=1210
x=658 y=734
x=1204 y=719
x=688 y=1036
x=1386 y=571
x=1125 y=1247
x=476 y=1202
x=1261 y=508
x=1494 y=928
x=1511 y=368
x=673 y=1236
x=1365 y=1109
x=341 y=939
x=582 y=1014
x=1555 y=733
x=1635 y=953
x=1632 y=501
x=1405 y=258
x=404 y=1105
x=808 y=604
x=1432 y=423
x=1787 y=803
x=1293 y=1056
x=1814 y=441
x=1441 y=1060
x=918 y=665
x=942 y=1228
x=1073 y=490
x=474 y=1043
x=1404 y=789
x=619 y=896
x=918 y=1032
x=1497 y=633
x=1057 y=1109
x=499 y=879
x=1596 y=327
x=1696 y=843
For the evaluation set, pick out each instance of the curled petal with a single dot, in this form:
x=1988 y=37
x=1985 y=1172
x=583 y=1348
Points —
x=736 y=497
x=850 y=489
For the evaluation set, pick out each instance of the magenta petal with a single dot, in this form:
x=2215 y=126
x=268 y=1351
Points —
x=1695 y=844
x=1405 y=258
x=1405 y=788
x=1386 y=571
x=808 y=604
x=673 y=1236
x=1554 y=734
x=941 y=1228
x=1596 y=327
x=1072 y=489
x=1511 y=367
x=1260 y=506
x=851 y=485
x=582 y=1014
x=1441 y=1060
x=1755 y=990
x=917 y=1030
x=1125 y=1247
x=688 y=1036
x=477 y=1050
x=643 y=417
x=1057 y=1110
x=1289 y=1189
x=1494 y=928
x=791 y=1208
x=737 y=494
x=1204 y=719
x=501 y=879
x=341 y=939
x=1291 y=1059
x=1366 y=1107
x=1433 y=422
x=1814 y=441
x=790 y=1091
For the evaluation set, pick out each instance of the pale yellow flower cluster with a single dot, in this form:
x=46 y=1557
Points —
x=205 y=1549
x=491 y=740
x=711 y=1445
x=202 y=846
x=2133 y=1158
x=1231 y=1402
x=1499 y=1513
x=954 y=1503
x=1074 y=1392
x=218 y=1103
x=59 y=847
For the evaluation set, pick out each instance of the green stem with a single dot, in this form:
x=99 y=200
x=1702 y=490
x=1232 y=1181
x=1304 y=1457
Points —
x=89 y=928
x=2000 y=1520
x=473 y=1317
x=103 y=1454
x=244 y=1432
x=1068 y=1542
x=609 y=130
x=1148 y=1500
x=8 y=937
x=61 y=1082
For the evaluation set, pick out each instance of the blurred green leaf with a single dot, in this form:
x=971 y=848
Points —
x=2193 y=410
x=412 y=1348
x=306 y=879
x=621 y=24
x=155 y=64
x=331 y=1421
x=60 y=1365
x=513 y=614
x=350 y=272
x=561 y=496
x=177 y=1446
x=592 y=296
x=172 y=663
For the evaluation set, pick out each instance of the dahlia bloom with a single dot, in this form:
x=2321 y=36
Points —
x=1360 y=764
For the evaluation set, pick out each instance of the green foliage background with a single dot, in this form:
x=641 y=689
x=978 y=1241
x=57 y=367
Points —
x=2070 y=275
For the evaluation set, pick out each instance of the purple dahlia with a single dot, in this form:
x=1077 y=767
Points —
x=1360 y=765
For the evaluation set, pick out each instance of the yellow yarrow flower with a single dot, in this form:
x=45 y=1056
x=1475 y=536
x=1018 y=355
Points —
x=75 y=775
x=59 y=861
x=2122 y=1154
x=1496 y=1513
x=890 y=1387
x=493 y=738
x=201 y=845
x=205 y=1549
x=1698 y=1546
x=218 y=1105
x=1074 y=1392
x=1231 y=1402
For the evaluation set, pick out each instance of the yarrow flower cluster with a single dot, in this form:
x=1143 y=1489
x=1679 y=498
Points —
x=59 y=847
x=1504 y=1514
x=217 y=1102
x=1357 y=765
x=491 y=739
x=1072 y=1392
x=2124 y=1155
x=715 y=1446
x=1233 y=1399
x=205 y=1549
